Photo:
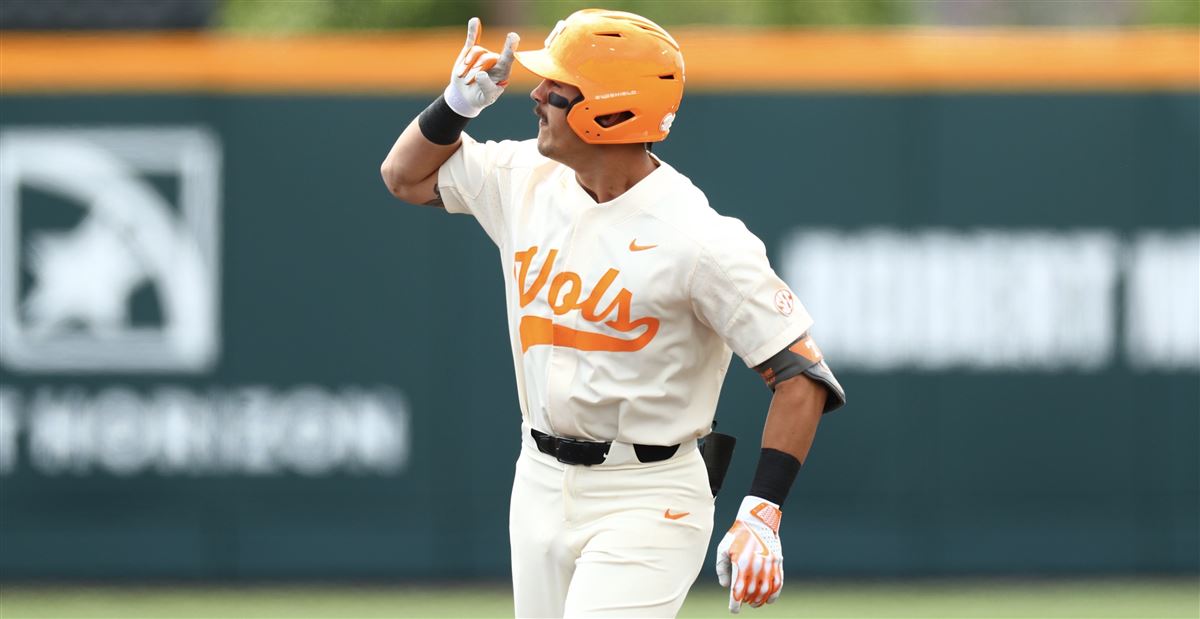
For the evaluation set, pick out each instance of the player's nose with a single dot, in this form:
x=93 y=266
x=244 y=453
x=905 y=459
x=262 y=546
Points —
x=538 y=94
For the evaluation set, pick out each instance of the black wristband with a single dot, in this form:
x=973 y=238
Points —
x=773 y=479
x=440 y=124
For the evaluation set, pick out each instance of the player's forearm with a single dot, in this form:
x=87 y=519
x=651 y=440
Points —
x=793 y=417
x=750 y=556
x=410 y=168
x=787 y=436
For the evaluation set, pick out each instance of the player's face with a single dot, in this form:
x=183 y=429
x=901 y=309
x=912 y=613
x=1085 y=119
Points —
x=555 y=137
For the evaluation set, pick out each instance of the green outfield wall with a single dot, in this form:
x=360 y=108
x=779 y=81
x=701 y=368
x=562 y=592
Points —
x=226 y=352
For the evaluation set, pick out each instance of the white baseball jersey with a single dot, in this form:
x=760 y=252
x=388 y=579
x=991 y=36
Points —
x=621 y=314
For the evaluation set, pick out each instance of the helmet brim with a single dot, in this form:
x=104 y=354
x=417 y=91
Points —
x=539 y=63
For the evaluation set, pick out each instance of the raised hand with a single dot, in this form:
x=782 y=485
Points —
x=479 y=75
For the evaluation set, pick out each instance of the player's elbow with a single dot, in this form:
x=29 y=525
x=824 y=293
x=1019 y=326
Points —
x=393 y=177
x=803 y=394
x=397 y=183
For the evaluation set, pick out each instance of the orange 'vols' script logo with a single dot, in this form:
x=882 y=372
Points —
x=563 y=296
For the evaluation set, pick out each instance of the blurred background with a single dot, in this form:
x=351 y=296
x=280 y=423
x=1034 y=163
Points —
x=230 y=361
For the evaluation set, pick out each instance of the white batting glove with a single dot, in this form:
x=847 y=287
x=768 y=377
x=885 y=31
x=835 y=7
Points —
x=750 y=557
x=479 y=75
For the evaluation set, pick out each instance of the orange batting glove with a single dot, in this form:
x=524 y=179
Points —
x=750 y=557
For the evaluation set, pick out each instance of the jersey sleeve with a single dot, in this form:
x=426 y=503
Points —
x=474 y=181
x=735 y=292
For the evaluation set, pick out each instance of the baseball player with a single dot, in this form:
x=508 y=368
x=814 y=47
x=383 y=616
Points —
x=626 y=293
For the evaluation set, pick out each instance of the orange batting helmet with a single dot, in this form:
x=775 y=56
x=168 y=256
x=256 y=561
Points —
x=621 y=62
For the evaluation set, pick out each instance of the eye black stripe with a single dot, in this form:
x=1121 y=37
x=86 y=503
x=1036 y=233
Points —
x=561 y=102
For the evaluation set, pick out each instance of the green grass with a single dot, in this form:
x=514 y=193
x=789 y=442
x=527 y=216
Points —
x=1084 y=599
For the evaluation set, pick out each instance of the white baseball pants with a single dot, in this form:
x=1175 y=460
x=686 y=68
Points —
x=620 y=539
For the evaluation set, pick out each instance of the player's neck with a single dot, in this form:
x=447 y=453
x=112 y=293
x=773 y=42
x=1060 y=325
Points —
x=606 y=173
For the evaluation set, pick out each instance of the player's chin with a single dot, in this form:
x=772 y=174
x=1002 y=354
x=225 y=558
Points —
x=544 y=143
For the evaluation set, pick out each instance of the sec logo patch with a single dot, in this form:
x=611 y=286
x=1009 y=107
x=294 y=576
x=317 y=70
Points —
x=785 y=302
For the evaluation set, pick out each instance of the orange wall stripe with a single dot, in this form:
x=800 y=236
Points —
x=717 y=60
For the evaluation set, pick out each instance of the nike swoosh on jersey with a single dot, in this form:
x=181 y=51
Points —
x=676 y=516
x=633 y=246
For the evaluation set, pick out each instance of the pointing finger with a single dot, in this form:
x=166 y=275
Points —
x=474 y=28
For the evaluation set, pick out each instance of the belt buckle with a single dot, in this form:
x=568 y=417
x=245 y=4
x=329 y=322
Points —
x=572 y=451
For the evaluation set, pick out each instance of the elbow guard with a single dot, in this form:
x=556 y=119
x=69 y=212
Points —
x=803 y=357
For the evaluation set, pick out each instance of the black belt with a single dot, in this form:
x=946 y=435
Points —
x=588 y=453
